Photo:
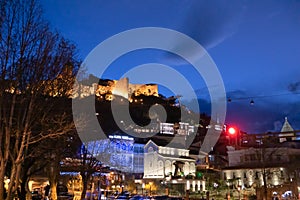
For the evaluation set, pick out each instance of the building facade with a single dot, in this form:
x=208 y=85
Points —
x=255 y=168
x=106 y=89
x=163 y=161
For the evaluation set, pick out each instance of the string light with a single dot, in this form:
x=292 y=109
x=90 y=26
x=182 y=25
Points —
x=229 y=99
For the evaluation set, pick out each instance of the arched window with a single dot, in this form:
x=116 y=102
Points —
x=186 y=168
x=192 y=167
x=160 y=167
x=168 y=167
x=150 y=149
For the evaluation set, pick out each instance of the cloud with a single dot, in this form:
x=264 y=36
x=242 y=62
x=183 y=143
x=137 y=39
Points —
x=294 y=87
x=267 y=114
x=209 y=24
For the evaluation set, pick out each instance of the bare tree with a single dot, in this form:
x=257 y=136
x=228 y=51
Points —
x=89 y=165
x=265 y=160
x=31 y=58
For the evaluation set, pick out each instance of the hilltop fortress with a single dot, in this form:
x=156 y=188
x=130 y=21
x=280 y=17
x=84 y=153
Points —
x=105 y=88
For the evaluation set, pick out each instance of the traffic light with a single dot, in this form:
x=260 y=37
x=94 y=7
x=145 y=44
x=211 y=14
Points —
x=232 y=131
x=233 y=135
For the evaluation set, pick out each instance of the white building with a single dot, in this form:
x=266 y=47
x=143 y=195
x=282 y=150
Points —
x=166 y=128
x=276 y=167
x=250 y=165
x=159 y=161
x=181 y=128
x=171 y=164
x=287 y=133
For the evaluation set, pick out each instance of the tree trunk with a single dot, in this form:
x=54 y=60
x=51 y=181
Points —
x=53 y=185
x=11 y=183
x=23 y=188
x=84 y=183
x=2 y=174
x=265 y=194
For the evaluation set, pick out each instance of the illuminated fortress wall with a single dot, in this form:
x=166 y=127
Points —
x=121 y=88
x=146 y=89
x=109 y=88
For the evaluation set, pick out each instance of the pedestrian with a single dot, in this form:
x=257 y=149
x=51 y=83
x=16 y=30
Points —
x=19 y=192
x=47 y=191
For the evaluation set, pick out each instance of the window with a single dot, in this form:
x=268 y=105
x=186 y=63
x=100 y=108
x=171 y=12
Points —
x=246 y=158
x=172 y=152
x=168 y=167
x=278 y=157
x=160 y=165
x=150 y=149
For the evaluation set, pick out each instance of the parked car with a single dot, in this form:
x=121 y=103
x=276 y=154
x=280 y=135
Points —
x=62 y=193
x=139 y=197
x=123 y=195
x=36 y=194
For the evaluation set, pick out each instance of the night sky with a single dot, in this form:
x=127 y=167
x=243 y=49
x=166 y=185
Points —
x=255 y=45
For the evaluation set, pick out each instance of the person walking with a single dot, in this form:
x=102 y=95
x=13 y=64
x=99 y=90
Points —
x=47 y=191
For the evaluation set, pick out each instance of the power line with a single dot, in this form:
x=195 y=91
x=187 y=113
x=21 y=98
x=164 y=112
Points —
x=229 y=99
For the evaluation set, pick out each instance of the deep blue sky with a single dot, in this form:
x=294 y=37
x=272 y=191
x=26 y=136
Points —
x=255 y=44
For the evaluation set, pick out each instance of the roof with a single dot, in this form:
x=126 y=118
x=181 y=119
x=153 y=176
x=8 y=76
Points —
x=286 y=126
x=166 y=141
x=254 y=166
x=174 y=156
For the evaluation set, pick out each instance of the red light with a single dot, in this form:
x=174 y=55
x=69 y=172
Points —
x=231 y=131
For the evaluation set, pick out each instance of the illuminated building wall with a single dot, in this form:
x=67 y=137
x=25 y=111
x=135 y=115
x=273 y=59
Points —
x=253 y=177
x=119 y=152
x=182 y=128
x=167 y=128
x=121 y=87
x=246 y=166
x=143 y=89
x=185 y=129
x=159 y=161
